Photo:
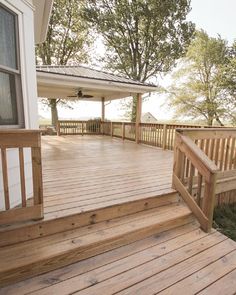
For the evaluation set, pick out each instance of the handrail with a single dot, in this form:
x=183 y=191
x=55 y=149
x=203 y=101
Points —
x=190 y=161
x=204 y=166
x=191 y=149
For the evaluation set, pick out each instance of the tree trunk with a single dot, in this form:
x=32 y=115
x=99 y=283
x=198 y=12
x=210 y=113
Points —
x=218 y=120
x=210 y=121
x=134 y=109
x=54 y=113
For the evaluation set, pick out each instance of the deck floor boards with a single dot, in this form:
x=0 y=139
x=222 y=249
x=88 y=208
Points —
x=92 y=172
x=184 y=260
x=83 y=173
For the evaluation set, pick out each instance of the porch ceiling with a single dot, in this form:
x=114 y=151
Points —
x=65 y=81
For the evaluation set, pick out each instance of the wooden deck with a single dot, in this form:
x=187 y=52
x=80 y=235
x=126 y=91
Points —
x=184 y=260
x=84 y=173
x=112 y=225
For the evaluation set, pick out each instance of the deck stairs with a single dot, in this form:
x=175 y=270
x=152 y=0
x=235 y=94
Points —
x=33 y=248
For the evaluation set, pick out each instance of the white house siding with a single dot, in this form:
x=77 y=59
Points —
x=25 y=12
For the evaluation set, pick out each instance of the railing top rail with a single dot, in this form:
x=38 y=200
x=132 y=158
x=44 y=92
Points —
x=198 y=157
x=75 y=121
x=20 y=138
x=227 y=174
x=205 y=129
x=208 y=133
x=19 y=131
x=170 y=124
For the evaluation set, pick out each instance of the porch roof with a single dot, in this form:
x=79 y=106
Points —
x=66 y=81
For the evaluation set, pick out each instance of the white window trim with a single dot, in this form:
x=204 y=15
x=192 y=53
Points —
x=18 y=88
x=25 y=12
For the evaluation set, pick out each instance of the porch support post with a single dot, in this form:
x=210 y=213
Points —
x=138 y=116
x=102 y=115
x=103 y=109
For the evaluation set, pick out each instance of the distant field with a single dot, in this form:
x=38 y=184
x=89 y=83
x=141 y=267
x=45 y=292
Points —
x=44 y=122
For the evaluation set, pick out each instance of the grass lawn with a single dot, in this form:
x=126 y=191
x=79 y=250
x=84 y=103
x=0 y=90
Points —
x=225 y=220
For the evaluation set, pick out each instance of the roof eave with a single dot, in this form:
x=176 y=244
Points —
x=41 y=19
x=54 y=79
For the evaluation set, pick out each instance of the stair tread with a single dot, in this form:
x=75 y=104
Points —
x=16 y=233
x=33 y=251
x=81 y=231
x=147 y=197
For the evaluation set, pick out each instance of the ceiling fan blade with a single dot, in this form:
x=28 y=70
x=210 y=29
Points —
x=72 y=96
x=87 y=96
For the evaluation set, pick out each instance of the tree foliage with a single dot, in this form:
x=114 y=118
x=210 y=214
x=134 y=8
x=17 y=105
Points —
x=67 y=37
x=228 y=82
x=198 y=89
x=67 y=41
x=142 y=38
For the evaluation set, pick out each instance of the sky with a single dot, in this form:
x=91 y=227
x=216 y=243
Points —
x=213 y=16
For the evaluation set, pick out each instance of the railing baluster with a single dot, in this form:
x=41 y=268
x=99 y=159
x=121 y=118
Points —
x=226 y=158
x=22 y=176
x=233 y=151
x=199 y=189
x=37 y=175
x=191 y=174
x=209 y=200
x=222 y=150
x=217 y=151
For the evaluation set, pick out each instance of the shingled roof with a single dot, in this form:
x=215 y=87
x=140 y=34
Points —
x=85 y=72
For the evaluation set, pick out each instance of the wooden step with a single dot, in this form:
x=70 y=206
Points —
x=29 y=258
x=11 y=234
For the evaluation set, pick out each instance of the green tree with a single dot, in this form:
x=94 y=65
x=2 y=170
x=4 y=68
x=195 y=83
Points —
x=197 y=90
x=142 y=38
x=67 y=41
x=228 y=82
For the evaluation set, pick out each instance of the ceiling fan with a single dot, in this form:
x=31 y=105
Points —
x=81 y=95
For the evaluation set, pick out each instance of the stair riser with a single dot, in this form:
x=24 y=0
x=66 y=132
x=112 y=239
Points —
x=80 y=253
x=45 y=228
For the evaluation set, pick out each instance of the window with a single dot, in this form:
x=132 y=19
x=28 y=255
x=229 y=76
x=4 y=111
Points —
x=11 y=105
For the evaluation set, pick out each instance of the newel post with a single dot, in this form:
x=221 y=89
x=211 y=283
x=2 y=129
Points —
x=102 y=116
x=103 y=109
x=208 y=204
x=82 y=126
x=138 y=117
x=164 y=138
x=178 y=159
x=111 y=129
x=58 y=128
x=37 y=177
x=123 y=130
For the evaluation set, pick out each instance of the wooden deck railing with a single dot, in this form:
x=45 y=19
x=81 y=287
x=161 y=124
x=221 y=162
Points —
x=73 y=127
x=17 y=141
x=204 y=166
x=159 y=135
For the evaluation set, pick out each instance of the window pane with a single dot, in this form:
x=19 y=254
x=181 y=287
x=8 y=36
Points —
x=8 y=106
x=8 y=39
